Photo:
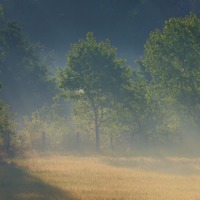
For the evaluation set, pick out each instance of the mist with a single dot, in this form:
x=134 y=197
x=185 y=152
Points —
x=58 y=25
x=99 y=98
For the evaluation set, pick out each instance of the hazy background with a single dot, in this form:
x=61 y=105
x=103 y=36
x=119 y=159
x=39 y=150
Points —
x=127 y=23
x=57 y=24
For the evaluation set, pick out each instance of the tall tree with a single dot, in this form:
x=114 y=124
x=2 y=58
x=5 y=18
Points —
x=95 y=74
x=23 y=72
x=5 y=122
x=172 y=58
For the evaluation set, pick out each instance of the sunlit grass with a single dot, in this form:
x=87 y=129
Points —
x=95 y=178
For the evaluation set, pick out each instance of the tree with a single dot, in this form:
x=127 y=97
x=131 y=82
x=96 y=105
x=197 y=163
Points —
x=23 y=71
x=172 y=58
x=6 y=127
x=49 y=128
x=94 y=74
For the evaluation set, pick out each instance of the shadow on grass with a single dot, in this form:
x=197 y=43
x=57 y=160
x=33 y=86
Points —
x=17 y=184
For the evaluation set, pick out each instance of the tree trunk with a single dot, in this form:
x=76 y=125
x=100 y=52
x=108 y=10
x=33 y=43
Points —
x=97 y=130
x=78 y=141
x=6 y=141
x=43 y=141
x=111 y=142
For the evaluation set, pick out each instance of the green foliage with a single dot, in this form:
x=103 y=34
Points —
x=93 y=70
x=4 y=118
x=46 y=130
x=94 y=74
x=6 y=128
x=23 y=71
x=107 y=97
x=51 y=129
x=1 y=9
x=172 y=58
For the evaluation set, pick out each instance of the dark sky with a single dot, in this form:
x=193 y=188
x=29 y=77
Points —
x=127 y=23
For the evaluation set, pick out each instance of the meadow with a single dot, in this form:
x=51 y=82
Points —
x=100 y=178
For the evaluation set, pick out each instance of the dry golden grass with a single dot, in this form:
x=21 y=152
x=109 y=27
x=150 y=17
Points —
x=97 y=178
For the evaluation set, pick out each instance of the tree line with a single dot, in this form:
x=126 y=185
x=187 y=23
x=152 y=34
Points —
x=109 y=104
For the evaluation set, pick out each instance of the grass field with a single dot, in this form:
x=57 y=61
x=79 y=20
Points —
x=86 y=178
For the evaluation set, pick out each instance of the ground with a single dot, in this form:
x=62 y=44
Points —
x=91 y=178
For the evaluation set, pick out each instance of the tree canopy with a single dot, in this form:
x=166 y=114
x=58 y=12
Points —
x=117 y=103
x=23 y=72
x=96 y=74
x=172 y=57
